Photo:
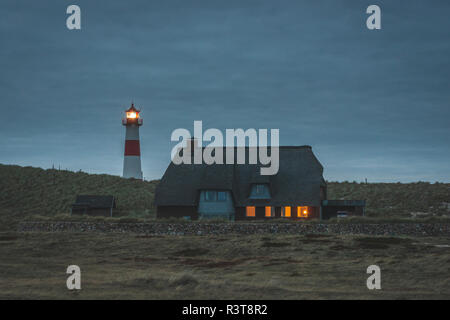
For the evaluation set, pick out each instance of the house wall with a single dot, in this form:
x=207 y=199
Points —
x=177 y=212
x=78 y=210
x=277 y=212
x=105 y=212
x=216 y=209
x=240 y=214
x=329 y=212
x=314 y=212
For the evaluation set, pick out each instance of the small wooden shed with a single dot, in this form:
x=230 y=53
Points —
x=335 y=208
x=94 y=205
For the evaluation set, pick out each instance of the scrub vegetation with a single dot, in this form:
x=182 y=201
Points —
x=417 y=199
x=311 y=266
x=28 y=191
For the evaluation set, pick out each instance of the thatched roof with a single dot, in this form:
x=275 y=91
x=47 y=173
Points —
x=297 y=182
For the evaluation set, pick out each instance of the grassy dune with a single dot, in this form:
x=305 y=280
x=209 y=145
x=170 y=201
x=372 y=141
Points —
x=27 y=191
x=395 y=199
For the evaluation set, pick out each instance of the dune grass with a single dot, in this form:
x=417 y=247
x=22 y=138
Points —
x=133 y=266
x=28 y=191
x=395 y=199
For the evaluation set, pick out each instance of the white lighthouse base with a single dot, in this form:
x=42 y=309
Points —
x=132 y=167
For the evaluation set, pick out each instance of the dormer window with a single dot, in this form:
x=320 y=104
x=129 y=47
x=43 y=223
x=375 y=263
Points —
x=210 y=195
x=221 y=196
x=260 y=191
x=213 y=195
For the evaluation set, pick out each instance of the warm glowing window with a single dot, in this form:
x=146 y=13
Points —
x=302 y=212
x=250 y=211
x=268 y=211
x=287 y=211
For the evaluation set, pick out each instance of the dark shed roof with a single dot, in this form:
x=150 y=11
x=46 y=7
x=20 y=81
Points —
x=95 y=201
x=297 y=182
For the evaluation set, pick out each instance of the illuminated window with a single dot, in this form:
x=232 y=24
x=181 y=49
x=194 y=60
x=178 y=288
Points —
x=286 y=212
x=268 y=211
x=250 y=211
x=302 y=212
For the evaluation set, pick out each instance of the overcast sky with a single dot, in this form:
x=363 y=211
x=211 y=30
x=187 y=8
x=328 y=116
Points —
x=372 y=104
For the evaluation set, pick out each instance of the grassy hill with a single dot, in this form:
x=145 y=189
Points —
x=395 y=199
x=26 y=191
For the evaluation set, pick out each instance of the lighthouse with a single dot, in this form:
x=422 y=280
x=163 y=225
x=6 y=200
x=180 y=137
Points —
x=132 y=155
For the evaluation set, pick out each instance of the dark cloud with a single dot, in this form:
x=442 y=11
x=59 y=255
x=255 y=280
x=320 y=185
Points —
x=372 y=104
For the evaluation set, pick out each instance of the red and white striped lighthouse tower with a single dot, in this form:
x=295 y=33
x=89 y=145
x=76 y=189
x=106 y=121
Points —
x=132 y=157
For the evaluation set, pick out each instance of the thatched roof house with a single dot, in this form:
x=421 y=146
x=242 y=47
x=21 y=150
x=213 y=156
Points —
x=238 y=191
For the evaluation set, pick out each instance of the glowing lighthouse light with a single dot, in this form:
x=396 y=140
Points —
x=132 y=155
x=132 y=115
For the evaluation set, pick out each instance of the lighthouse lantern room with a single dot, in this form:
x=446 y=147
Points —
x=132 y=155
